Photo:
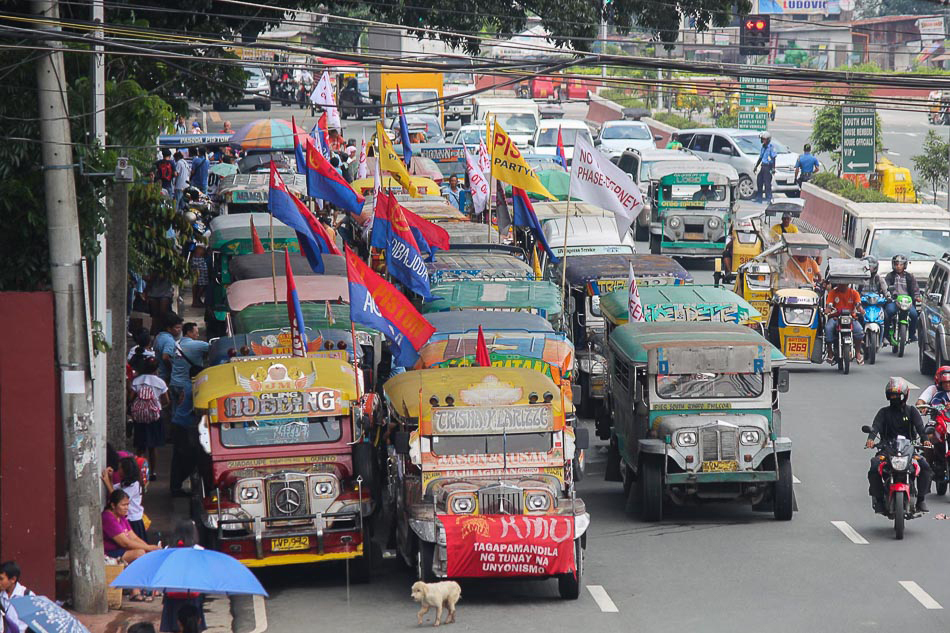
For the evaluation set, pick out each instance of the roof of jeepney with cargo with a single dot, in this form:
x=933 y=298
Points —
x=635 y=340
x=259 y=265
x=249 y=292
x=469 y=320
x=614 y=305
x=506 y=295
x=474 y=264
x=260 y=184
x=274 y=374
x=469 y=386
x=269 y=316
x=671 y=167
x=230 y=231
x=584 y=268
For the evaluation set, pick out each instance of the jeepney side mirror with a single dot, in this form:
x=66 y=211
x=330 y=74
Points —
x=581 y=439
x=858 y=253
x=401 y=442
x=782 y=380
x=571 y=304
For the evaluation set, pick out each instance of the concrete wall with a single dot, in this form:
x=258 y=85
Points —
x=29 y=430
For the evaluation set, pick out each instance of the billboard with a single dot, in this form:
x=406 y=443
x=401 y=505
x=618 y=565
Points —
x=789 y=7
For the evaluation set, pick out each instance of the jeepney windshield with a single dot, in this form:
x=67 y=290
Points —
x=491 y=444
x=709 y=385
x=281 y=432
x=698 y=193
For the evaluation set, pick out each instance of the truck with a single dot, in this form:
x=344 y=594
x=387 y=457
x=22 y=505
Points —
x=395 y=43
x=421 y=92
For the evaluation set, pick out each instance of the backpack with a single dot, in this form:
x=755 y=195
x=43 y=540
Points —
x=146 y=408
x=166 y=171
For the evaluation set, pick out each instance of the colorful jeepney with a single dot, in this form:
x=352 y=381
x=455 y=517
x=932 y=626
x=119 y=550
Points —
x=693 y=207
x=481 y=483
x=284 y=482
x=321 y=343
x=465 y=266
x=537 y=297
x=696 y=417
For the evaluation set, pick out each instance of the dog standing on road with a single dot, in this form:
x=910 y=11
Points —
x=439 y=595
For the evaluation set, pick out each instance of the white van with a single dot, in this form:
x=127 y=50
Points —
x=586 y=235
x=518 y=117
x=545 y=138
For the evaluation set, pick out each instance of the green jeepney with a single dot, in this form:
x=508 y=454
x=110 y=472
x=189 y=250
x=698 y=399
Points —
x=693 y=207
x=696 y=417
x=247 y=193
x=538 y=297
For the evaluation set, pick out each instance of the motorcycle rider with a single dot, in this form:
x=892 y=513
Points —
x=876 y=282
x=937 y=393
x=844 y=297
x=900 y=282
x=897 y=418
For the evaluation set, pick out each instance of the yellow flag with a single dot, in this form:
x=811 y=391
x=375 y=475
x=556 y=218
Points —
x=390 y=161
x=508 y=165
x=535 y=264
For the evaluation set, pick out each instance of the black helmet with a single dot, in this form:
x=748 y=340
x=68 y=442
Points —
x=873 y=264
x=899 y=259
x=897 y=387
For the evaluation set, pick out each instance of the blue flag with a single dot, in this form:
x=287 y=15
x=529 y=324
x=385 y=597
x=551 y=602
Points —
x=525 y=216
x=404 y=132
x=285 y=207
x=404 y=259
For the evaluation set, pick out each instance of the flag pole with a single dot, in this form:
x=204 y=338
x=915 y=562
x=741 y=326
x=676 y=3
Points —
x=273 y=259
x=356 y=360
x=491 y=170
x=567 y=221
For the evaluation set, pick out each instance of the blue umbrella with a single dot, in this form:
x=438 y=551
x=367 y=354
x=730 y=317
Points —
x=44 y=616
x=189 y=569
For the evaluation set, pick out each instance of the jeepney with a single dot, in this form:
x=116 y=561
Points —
x=696 y=417
x=261 y=265
x=480 y=468
x=314 y=288
x=590 y=276
x=286 y=479
x=248 y=193
x=461 y=321
x=585 y=236
x=230 y=238
x=538 y=297
x=693 y=207
x=464 y=266
x=321 y=343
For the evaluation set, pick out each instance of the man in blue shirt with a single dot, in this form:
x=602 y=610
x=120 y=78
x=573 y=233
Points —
x=806 y=166
x=767 y=162
x=199 y=170
x=188 y=360
x=165 y=344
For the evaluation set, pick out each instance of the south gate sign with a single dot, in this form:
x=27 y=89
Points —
x=857 y=139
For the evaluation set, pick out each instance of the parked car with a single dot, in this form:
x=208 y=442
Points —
x=617 y=136
x=740 y=148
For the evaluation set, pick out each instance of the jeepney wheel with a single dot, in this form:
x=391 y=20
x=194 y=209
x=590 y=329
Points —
x=631 y=491
x=783 y=493
x=364 y=466
x=651 y=490
x=612 y=471
x=569 y=585
x=746 y=188
x=655 y=244
x=425 y=555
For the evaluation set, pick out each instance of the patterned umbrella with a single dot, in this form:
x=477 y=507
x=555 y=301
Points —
x=265 y=134
x=44 y=616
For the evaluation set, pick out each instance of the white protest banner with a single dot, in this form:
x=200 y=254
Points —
x=478 y=184
x=323 y=96
x=596 y=180
x=361 y=166
x=634 y=305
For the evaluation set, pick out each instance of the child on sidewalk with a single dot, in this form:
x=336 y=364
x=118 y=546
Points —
x=150 y=394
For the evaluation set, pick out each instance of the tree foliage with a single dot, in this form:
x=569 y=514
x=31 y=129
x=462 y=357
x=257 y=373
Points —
x=932 y=164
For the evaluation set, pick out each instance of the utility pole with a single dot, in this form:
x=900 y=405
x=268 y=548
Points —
x=100 y=310
x=81 y=468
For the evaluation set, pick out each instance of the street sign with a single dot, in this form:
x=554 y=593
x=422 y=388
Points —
x=753 y=92
x=857 y=138
x=754 y=121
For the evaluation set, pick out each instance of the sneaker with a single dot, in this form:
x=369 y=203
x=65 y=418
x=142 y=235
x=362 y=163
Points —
x=922 y=506
x=877 y=505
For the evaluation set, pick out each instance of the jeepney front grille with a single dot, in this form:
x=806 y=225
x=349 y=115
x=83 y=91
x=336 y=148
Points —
x=500 y=499
x=288 y=498
x=719 y=444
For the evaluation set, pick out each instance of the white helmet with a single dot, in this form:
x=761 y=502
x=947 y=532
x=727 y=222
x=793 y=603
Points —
x=765 y=135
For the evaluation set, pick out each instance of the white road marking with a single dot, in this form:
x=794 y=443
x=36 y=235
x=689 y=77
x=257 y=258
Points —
x=850 y=532
x=260 y=615
x=893 y=153
x=796 y=480
x=922 y=596
x=599 y=594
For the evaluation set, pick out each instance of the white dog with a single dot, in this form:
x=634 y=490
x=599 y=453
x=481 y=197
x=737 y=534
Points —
x=439 y=595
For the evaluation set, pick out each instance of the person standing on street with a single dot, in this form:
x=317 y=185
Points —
x=188 y=361
x=165 y=172
x=182 y=176
x=806 y=166
x=199 y=170
x=180 y=126
x=452 y=192
x=767 y=163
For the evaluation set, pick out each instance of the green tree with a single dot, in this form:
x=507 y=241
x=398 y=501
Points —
x=932 y=164
x=826 y=124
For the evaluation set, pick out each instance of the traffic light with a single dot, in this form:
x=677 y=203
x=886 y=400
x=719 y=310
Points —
x=754 y=35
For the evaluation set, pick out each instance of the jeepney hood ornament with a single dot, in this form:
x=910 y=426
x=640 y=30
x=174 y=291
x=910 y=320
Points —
x=275 y=377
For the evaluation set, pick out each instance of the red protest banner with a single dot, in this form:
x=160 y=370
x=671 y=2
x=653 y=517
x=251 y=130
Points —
x=508 y=545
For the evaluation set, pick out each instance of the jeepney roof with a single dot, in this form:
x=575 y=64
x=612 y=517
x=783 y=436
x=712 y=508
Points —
x=550 y=347
x=269 y=316
x=259 y=265
x=634 y=340
x=720 y=173
x=584 y=268
x=248 y=292
x=243 y=220
x=470 y=386
x=614 y=305
x=239 y=239
x=584 y=231
x=469 y=320
x=510 y=294
x=433 y=208
x=297 y=183
x=470 y=233
x=223 y=380
x=547 y=210
x=474 y=264
x=277 y=341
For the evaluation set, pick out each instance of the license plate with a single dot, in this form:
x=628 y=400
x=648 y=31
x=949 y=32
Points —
x=289 y=543
x=727 y=466
x=694 y=236
x=796 y=345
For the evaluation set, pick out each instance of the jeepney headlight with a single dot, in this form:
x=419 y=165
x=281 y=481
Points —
x=537 y=501
x=462 y=504
x=686 y=438
x=798 y=316
x=592 y=364
x=250 y=494
x=323 y=486
x=749 y=437
x=713 y=223
x=675 y=222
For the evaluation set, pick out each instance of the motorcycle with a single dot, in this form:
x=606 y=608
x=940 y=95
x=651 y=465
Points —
x=899 y=470
x=898 y=330
x=285 y=92
x=873 y=324
x=938 y=454
x=843 y=344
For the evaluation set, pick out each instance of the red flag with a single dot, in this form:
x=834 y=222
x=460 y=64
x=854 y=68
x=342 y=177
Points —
x=388 y=209
x=482 y=357
x=256 y=246
x=298 y=340
x=434 y=234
